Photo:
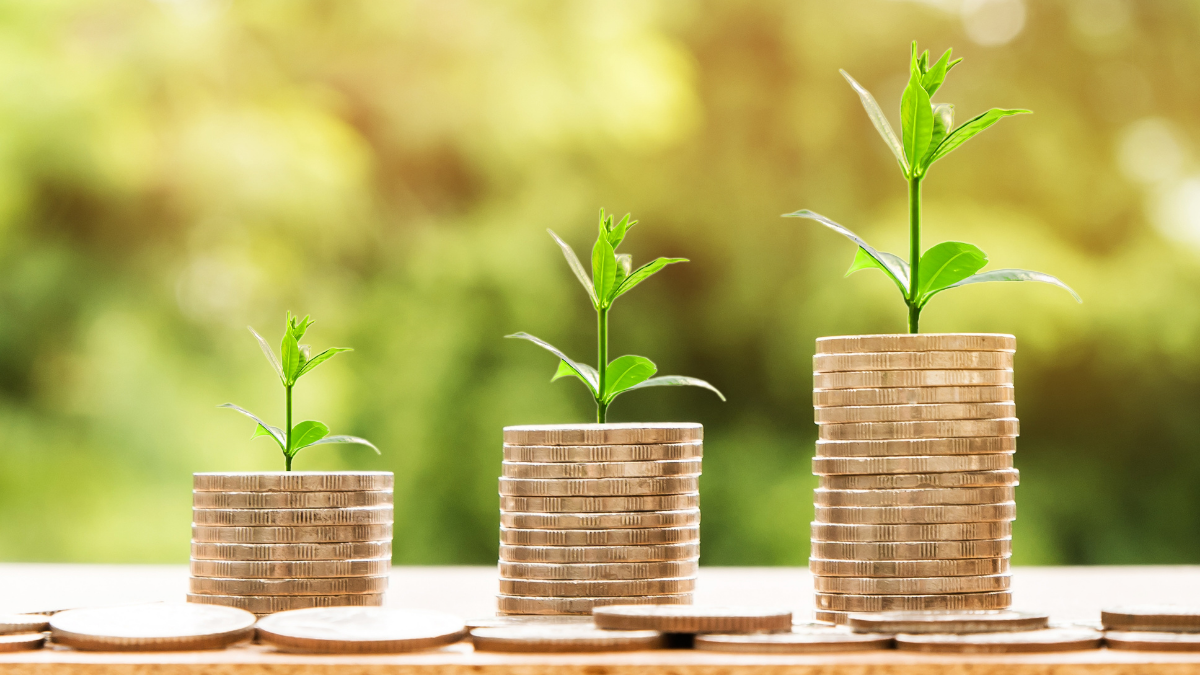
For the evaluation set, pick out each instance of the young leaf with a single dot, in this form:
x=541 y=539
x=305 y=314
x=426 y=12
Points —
x=863 y=261
x=260 y=430
x=604 y=269
x=306 y=433
x=916 y=120
x=947 y=264
x=624 y=267
x=290 y=351
x=346 y=439
x=933 y=77
x=617 y=234
x=943 y=122
x=896 y=268
x=625 y=372
x=324 y=356
x=585 y=373
x=274 y=360
x=275 y=432
x=879 y=120
x=1015 y=275
x=576 y=267
x=565 y=370
x=970 y=128
x=676 y=381
x=641 y=274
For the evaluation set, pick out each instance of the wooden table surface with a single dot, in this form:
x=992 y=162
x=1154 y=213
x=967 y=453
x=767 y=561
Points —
x=1068 y=593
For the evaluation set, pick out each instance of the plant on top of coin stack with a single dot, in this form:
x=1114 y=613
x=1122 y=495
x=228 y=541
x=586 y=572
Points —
x=294 y=364
x=926 y=136
x=612 y=276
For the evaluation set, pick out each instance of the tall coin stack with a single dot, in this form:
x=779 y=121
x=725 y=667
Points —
x=599 y=514
x=270 y=542
x=915 y=505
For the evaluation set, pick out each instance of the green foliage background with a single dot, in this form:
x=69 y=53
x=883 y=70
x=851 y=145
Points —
x=172 y=171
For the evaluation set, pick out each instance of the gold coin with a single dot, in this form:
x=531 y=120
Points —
x=912 y=481
x=563 y=638
x=539 y=588
x=600 y=504
x=11 y=624
x=288 y=500
x=605 y=537
x=294 y=481
x=883 y=603
x=369 y=515
x=928 y=394
x=504 y=620
x=927 y=360
x=521 y=604
x=1152 y=642
x=1153 y=618
x=596 y=521
x=949 y=622
x=886 y=379
x=347 y=551
x=560 y=470
x=897 y=515
x=920 y=497
x=934 y=532
x=598 y=487
x=20 y=642
x=600 y=571
x=694 y=618
x=911 y=413
x=912 y=447
x=153 y=627
x=912 y=586
x=269 y=604
x=1046 y=640
x=911 y=550
x=807 y=641
x=869 y=431
x=604 y=453
x=599 y=554
x=290 y=534
x=917 y=342
x=909 y=568
x=290 y=569
x=334 y=586
x=360 y=630
x=829 y=466
x=603 y=434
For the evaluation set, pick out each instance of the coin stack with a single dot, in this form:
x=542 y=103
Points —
x=270 y=542
x=598 y=514
x=915 y=505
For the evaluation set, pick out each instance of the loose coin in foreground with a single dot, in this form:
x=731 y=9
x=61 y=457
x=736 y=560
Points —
x=597 y=487
x=930 y=532
x=693 y=618
x=290 y=569
x=360 y=630
x=914 y=447
x=523 y=604
x=605 y=537
x=911 y=585
x=910 y=481
x=331 y=586
x=1002 y=393
x=359 y=550
x=601 y=504
x=561 y=470
x=563 y=638
x=503 y=620
x=600 y=571
x=603 y=453
x=916 y=514
x=805 y=641
x=603 y=434
x=598 y=554
x=1157 y=618
x=1045 y=640
x=1145 y=641
x=294 y=481
x=884 y=603
x=291 y=534
x=920 y=361
x=867 y=431
x=269 y=604
x=156 y=627
x=825 y=466
x=917 y=497
x=597 y=521
x=912 y=550
x=559 y=589
x=913 y=412
x=20 y=642
x=913 y=342
x=23 y=623
x=908 y=568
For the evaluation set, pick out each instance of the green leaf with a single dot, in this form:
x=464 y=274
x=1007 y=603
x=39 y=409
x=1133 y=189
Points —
x=576 y=267
x=879 y=120
x=273 y=432
x=347 y=439
x=617 y=234
x=1015 y=275
x=916 y=120
x=863 y=261
x=641 y=274
x=306 y=433
x=274 y=360
x=604 y=270
x=321 y=358
x=587 y=374
x=624 y=268
x=943 y=122
x=932 y=78
x=297 y=326
x=969 y=128
x=290 y=351
x=625 y=372
x=896 y=268
x=947 y=264
x=676 y=381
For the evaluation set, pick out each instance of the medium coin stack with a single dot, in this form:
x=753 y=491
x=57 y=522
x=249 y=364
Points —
x=915 y=505
x=271 y=542
x=599 y=514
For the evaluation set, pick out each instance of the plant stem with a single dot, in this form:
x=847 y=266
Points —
x=288 y=429
x=602 y=366
x=914 y=251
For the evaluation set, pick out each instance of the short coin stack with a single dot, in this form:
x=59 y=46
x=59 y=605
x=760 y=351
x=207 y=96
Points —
x=271 y=542
x=598 y=514
x=915 y=504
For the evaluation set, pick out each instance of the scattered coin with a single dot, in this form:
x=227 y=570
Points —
x=806 y=641
x=910 y=447
x=693 y=618
x=1154 y=618
x=601 y=504
x=290 y=535
x=602 y=434
x=598 y=487
x=918 y=497
x=563 y=638
x=1045 y=640
x=19 y=642
x=910 y=413
x=604 y=453
x=603 y=537
x=288 y=500
x=294 y=481
x=155 y=627
x=884 y=603
x=290 y=569
x=887 y=379
x=829 y=397
x=569 y=589
x=948 y=622
x=561 y=470
x=915 y=342
x=924 y=361
x=598 y=554
x=919 y=550
x=866 y=431
x=600 y=571
x=912 y=586
x=360 y=630
x=596 y=521
x=520 y=604
x=910 y=481
x=23 y=623
x=503 y=620
x=909 y=568
x=932 y=532
x=265 y=517
x=1146 y=641
x=916 y=514
x=269 y=604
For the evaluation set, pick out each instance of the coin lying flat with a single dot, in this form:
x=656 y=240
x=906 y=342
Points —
x=693 y=618
x=884 y=603
x=932 y=532
x=601 y=504
x=908 y=568
x=333 y=586
x=1156 y=618
x=269 y=604
x=867 y=431
x=600 y=571
x=360 y=630
x=598 y=554
x=912 y=586
x=290 y=535
x=948 y=622
x=828 y=466
x=563 y=638
x=913 y=361
x=294 y=481
x=288 y=500
x=369 y=515
x=290 y=569
x=23 y=623
x=911 y=447
x=598 y=487
x=20 y=642
x=603 y=453
x=603 y=434
x=596 y=521
x=971 y=393
x=910 y=481
x=156 y=627
x=1046 y=640
x=917 y=550
x=919 y=497
x=504 y=620
x=597 y=589
x=523 y=604
x=913 y=342
x=561 y=470
x=807 y=641
x=359 y=550
x=916 y=514
x=1144 y=641
x=887 y=379
x=607 y=537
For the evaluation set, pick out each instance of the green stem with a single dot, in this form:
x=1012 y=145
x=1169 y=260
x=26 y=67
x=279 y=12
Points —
x=914 y=251
x=288 y=429
x=602 y=366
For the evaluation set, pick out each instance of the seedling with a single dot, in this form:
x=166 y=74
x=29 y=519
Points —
x=927 y=135
x=294 y=364
x=612 y=276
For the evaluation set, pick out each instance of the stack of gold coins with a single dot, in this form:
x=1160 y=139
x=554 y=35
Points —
x=915 y=505
x=271 y=542
x=598 y=514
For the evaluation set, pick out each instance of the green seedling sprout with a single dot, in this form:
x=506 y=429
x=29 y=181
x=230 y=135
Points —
x=612 y=276
x=927 y=135
x=294 y=364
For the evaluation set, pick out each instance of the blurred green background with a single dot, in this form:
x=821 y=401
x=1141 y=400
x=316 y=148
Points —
x=172 y=171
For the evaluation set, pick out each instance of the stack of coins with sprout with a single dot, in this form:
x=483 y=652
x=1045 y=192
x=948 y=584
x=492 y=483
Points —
x=271 y=542
x=598 y=514
x=915 y=504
